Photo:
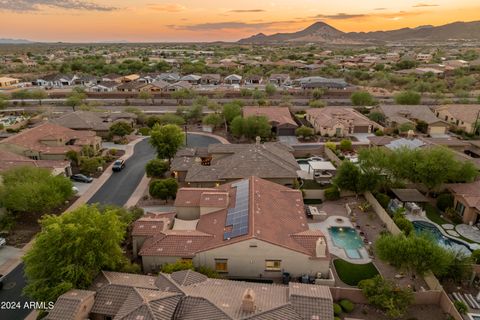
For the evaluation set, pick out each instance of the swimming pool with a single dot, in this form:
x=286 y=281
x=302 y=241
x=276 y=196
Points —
x=444 y=241
x=348 y=239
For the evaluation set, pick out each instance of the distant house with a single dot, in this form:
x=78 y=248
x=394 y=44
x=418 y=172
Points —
x=159 y=86
x=191 y=78
x=280 y=79
x=467 y=201
x=398 y=115
x=461 y=116
x=219 y=227
x=233 y=79
x=188 y=295
x=112 y=78
x=253 y=79
x=9 y=160
x=219 y=163
x=279 y=117
x=210 y=79
x=180 y=85
x=130 y=78
x=104 y=86
x=169 y=77
x=339 y=121
x=8 y=82
x=56 y=80
x=50 y=141
x=321 y=82
x=85 y=80
x=94 y=121
x=134 y=86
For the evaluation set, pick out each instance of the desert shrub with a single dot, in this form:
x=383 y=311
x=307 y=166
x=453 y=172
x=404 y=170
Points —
x=332 y=193
x=347 y=305
x=337 y=310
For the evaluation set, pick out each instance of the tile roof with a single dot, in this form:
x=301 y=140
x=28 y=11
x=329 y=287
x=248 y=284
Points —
x=330 y=116
x=151 y=224
x=463 y=112
x=187 y=277
x=68 y=304
x=278 y=115
x=470 y=192
x=33 y=138
x=402 y=114
x=183 y=244
x=10 y=160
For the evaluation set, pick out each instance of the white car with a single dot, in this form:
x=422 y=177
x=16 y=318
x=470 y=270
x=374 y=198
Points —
x=3 y=242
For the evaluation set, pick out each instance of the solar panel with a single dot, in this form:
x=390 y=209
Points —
x=237 y=217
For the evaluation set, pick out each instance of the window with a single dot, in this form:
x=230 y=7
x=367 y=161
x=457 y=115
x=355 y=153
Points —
x=273 y=265
x=460 y=208
x=221 y=265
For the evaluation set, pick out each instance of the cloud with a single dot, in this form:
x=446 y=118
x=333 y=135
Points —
x=423 y=5
x=380 y=9
x=231 y=25
x=339 y=16
x=35 y=5
x=247 y=10
x=166 y=7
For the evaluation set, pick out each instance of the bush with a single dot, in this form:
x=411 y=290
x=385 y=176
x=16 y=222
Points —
x=90 y=165
x=347 y=305
x=304 y=132
x=461 y=307
x=444 y=201
x=120 y=129
x=408 y=98
x=403 y=223
x=337 y=310
x=113 y=151
x=346 y=145
x=144 y=131
x=362 y=98
x=163 y=189
x=156 y=168
x=379 y=133
x=476 y=256
x=383 y=199
x=332 y=193
x=316 y=104
x=177 y=266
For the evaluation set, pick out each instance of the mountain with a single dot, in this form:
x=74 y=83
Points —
x=322 y=32
x=14 y=41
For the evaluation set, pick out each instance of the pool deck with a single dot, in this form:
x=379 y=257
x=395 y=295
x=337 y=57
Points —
x=331 y=221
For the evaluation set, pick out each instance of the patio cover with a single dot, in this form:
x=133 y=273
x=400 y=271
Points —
x=409 y=195
x=321 y=165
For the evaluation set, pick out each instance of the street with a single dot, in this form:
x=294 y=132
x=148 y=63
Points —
x=116 y=190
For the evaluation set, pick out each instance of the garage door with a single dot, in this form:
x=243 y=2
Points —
x=360 y=129
x=432 y=130
x=286 y=131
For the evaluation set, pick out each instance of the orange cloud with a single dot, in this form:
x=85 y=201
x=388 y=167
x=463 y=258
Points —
x=167 y=7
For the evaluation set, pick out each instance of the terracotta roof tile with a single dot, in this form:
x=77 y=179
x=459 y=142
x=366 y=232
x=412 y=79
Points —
x=278 y=115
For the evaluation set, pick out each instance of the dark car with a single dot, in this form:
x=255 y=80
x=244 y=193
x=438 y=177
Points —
x=1 y=281
x=81 y=178
x=118 y=165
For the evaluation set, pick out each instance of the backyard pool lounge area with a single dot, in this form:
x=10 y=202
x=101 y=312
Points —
x=348 y=239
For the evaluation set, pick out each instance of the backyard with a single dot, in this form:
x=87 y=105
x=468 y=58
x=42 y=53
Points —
x=352 y=274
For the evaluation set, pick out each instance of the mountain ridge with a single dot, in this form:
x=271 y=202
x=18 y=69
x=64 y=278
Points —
x=323 y=32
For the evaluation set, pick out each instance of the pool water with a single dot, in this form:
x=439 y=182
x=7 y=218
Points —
x=348 y=239
x=422 y=227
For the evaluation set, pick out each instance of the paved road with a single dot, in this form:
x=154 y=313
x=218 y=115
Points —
x=116 y=190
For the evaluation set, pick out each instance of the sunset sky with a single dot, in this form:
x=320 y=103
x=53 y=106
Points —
x=210 y=20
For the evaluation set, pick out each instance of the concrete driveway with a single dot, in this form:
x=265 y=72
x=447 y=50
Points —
x=82 y=187
x=8 y=252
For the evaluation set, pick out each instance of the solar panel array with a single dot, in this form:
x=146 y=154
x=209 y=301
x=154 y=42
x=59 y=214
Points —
x=237 y=217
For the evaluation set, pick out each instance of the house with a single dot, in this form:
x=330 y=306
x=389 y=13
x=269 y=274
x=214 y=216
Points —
x=112 y=77
x=462 y=116
x=104 y=86
x=188 y=295
x=169 y=77
x=180 y=85
x=94 y=121
x=223 y=163
x=321 y=82
x=50 y=141
x=397 y=115
x=191 y=78
x=233 y=79
x=146 y=78
x=253 y=79
x=280 y=79
x=9 y=160
x=339 y=121
x=210 y=79
x=8 y=82
x=85 y=80
x=134 y=86
x=279 y=118
x=466 y=201
x=130 y=78
x=159 y=86
x=255 y=218
x=56 y=81
x=424 y=57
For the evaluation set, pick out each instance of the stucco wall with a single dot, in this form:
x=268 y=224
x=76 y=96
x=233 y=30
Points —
x=188 y=213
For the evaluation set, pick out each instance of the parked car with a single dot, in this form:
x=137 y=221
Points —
x=81 y=178
x=3 y=242
x=118 y=165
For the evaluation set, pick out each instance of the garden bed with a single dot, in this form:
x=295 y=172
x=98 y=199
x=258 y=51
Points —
x=352 y=274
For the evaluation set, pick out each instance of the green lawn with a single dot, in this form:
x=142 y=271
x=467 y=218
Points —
x=352 y=274
x=434 y=215
x=313 y=185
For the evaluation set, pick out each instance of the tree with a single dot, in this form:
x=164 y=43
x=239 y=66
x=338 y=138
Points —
x=120 y=129
x=415 y=254
x=31 y=189
x=156 y=168
x=348 y=177
x=145 y=95
x=90 y=165
x=182 y=94
x=231 y=110
x=318 y=93
x=304 y=132
x=195 y=113
x=237 y=126
x=387 y=296
x=270 y=89
x=167 y=140
x=214 y=120
x=362 y=98
x=72 y=249
x=170 y=118
x=75 y=99
x=408 y=98
x=163 y=189
x=345 y=145
x=257 y=126
x=444 y=201
x=403 y=223
x=376 y=116
x=405 y=127
x=3 y=101
x=39 y=94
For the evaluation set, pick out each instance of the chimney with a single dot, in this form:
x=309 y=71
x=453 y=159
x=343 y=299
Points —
x=410 y=135
x=320 y=248
x=248 y=301
x=257 y=140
